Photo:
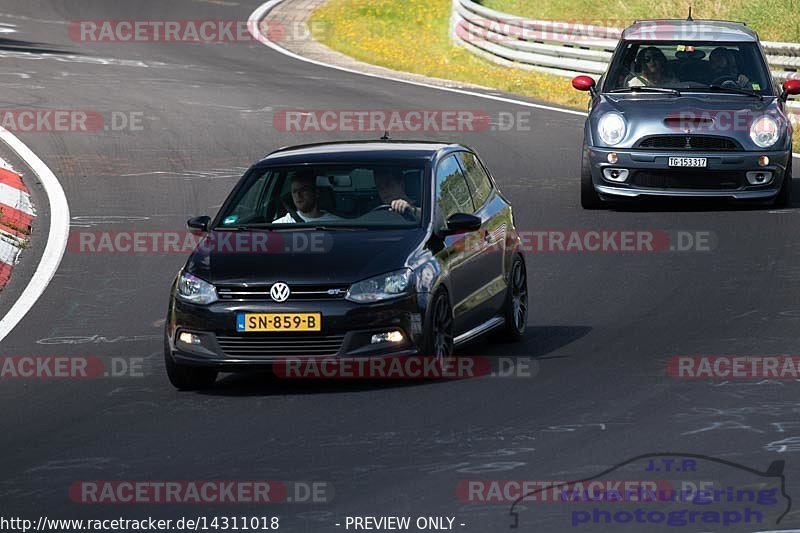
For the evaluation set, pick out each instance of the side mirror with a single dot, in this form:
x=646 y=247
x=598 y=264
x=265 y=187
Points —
x=583 y=83
x=790 y=87
x=199 y=225
x=462 y=223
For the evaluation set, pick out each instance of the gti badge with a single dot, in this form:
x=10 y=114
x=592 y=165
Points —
x=279 y=292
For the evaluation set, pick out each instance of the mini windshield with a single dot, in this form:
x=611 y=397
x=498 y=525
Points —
x=343 y=195
x=689 y=66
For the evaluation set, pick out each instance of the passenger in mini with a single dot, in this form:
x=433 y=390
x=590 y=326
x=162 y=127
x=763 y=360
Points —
x=305 y=196
x=650 y=68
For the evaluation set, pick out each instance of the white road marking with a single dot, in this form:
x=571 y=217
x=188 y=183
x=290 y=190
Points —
x=262 y=10
x=56 y=239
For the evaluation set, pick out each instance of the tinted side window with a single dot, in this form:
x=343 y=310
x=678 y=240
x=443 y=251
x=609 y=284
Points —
x=452 y=193
x=477 y=179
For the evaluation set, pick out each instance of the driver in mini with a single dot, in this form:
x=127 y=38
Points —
x=722 y=66
x=392 y=192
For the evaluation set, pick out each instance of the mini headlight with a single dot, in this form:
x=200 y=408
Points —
x=612 y=128
x=765 y=131
x=381 y=287
x=195 y=290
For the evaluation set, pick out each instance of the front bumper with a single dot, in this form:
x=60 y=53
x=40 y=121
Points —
x=346 y=332
x=725 y=176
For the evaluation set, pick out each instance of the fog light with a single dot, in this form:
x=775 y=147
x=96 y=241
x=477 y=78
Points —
x=189 y=338
x=613 y=158
x=763 y=161
x=615 y=174
x=389 y=336
x=759 y=177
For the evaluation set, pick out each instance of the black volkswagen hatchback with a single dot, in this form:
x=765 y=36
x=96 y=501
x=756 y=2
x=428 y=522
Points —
x=348 y=250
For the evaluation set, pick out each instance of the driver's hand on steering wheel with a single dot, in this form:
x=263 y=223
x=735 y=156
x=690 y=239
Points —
x=401 y=206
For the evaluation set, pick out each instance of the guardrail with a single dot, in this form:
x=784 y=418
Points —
x=562 y=48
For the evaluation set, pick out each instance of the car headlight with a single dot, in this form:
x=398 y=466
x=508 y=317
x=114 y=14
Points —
x=612 y=128
x=765 y=131
x=195 y=290
x=381 y=287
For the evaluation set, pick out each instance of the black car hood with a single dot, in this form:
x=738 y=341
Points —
x=646 y=114
x=302 y=257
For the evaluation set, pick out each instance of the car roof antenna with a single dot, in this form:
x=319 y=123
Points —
x=690 y=19
x=385 y=135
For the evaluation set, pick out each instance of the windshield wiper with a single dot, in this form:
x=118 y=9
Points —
x=290 y=227
x=735 y=90
x=645 y=89
x=244 y=227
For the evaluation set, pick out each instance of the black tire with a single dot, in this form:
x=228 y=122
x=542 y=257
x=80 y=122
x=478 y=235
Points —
x=185 y=377
x=439 y=339
x=515 y=310
x=784 y=196
x=589 y=197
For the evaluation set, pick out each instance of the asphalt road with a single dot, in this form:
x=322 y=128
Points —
x=602 y=325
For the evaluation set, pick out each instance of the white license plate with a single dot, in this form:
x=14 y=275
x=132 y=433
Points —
x=701 y=162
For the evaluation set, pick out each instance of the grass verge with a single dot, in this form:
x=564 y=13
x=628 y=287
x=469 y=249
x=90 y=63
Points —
x=412 y=36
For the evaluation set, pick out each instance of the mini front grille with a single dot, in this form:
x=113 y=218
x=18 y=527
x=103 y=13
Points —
x=280 y=345
x=298 y=292
x=690 y=142
x=687 y=180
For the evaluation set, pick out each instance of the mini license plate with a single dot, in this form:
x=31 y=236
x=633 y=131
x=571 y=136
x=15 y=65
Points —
x=695 y=162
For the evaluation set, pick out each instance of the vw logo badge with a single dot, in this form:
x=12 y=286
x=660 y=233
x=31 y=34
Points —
x=279 y=292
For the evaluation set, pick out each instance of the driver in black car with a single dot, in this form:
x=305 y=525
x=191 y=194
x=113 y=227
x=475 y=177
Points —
x=392 y=191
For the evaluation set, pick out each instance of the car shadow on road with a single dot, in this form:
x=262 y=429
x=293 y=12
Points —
x=18 y=45
x=539 y=343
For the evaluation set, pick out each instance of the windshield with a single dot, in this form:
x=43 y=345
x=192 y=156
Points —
x=689 y=66
x=342 y=195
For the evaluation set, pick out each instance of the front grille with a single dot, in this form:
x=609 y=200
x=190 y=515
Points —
x=298 y=292
x=690 y=142
x=280 y=345
x=686 y=179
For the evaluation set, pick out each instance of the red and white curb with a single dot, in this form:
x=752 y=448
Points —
x=16 y=216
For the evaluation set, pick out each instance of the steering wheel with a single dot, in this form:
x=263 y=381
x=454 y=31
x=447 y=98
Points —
x=726 y=78
x=386 y=207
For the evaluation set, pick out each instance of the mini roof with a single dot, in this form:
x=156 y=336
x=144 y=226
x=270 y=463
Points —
x=689 y=30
